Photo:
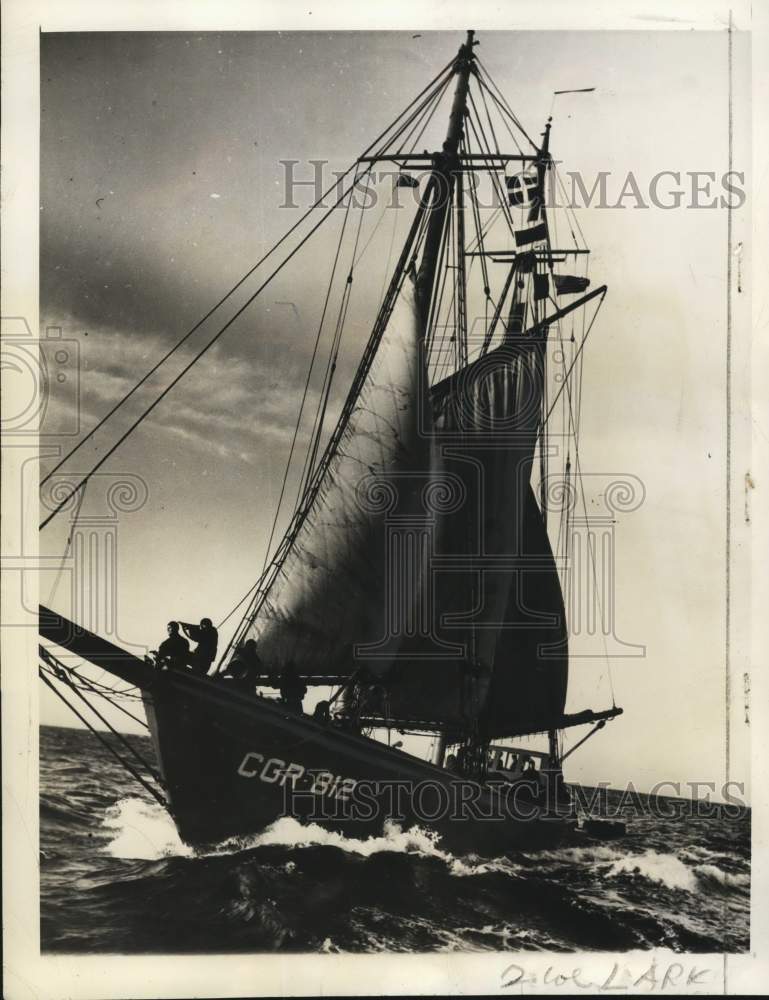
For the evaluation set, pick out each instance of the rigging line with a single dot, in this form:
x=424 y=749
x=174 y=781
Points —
x=142 y=781
x=566 y=431
x=567 y=537
x=229 y=615
x=73 y=687
x=320 y=415
x=465 y=149
x=568 y=211
x=482 y=144
x=436 y=339
x=364 y=367
x=418 y=112
x=191 y=363
x=463 y=272
x=504 y=120
x=63 y=673
x=567 y=466
x=426 y=112
x=570 y=208
x=309 y=378
x=488 y=117
x=590 y=548
x=305 y=392
x=576 y=357
x=481 y=232
x=484 y=147
x=505 y=104
x=581 y=365
x=436 y=86
x=67 y=548
x=430 y=117
x=580 y=371
x=247 y=275
x=306 y=475
x=410 y=123
x=374 y=231
x=498 y=311
x=554 y=217
x=256 y=587
x=485 y=83
x=389 y=258
x=437 y=296
x=489 y=330
x=455 y=303
x=115 y=704
x=106 y=692
x=591 y=552
x=127 y=692
x=416 y=235
x=312 y=455
x=445 y=349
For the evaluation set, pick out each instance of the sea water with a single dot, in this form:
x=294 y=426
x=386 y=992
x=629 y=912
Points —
x=115 y=877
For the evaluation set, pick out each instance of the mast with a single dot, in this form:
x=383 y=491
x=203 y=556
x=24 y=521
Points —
x=445 y=164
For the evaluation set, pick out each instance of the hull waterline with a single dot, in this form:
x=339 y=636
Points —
x=234 y=763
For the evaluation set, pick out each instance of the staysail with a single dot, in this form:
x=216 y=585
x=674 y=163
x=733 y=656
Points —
x=329 y=600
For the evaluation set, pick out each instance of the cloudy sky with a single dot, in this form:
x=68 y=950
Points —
x=161 y=184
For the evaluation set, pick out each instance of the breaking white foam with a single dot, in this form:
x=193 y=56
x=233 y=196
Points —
x=712 y=873
x=666 y=869
x=289 y=832
x=143 y=831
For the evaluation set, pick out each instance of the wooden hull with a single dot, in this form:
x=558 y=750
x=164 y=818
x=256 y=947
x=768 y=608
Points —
x=233 y=763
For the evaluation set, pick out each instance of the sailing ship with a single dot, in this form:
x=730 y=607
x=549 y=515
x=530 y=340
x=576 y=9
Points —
x=416 y=578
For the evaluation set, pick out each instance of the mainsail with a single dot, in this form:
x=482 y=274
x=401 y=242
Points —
x=329 y=598
x=496 y=589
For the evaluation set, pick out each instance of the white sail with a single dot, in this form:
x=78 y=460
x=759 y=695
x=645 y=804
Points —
x=330 y=596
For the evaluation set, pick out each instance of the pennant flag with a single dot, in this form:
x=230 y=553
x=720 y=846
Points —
x=406 y=181
x=569 y=284
x=525 y=236
x=541 y=286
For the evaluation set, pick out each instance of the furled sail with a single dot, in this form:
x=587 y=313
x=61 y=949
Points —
x=326 y=611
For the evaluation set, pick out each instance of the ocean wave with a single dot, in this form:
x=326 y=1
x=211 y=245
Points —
x=289 y=832
x=143 y=831
x=588 y=855
x=712 y=873
x=665 y=869
x=117 y=878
